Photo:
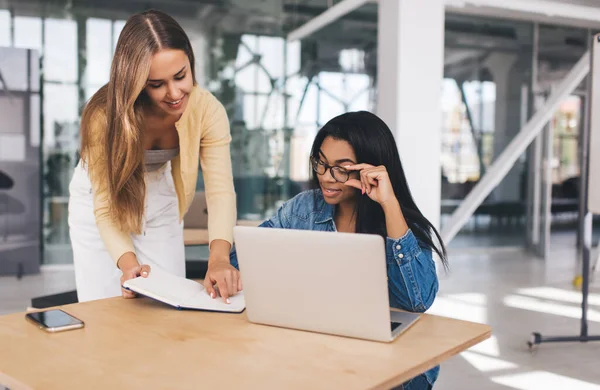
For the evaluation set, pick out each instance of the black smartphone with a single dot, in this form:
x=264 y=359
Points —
x=54 y=320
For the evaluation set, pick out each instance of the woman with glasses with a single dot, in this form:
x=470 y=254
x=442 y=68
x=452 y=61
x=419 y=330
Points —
x=360 y=187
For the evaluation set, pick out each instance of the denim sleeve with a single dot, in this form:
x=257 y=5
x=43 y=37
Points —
x=412 y=278
x=279 y=221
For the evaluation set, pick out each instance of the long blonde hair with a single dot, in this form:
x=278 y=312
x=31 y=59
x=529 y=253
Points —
x=117 y=146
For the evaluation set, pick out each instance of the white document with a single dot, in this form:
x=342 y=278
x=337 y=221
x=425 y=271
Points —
x=182 y=293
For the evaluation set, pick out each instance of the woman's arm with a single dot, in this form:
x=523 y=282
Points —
x=215 y=161
x=395 y=223
x=412 y=278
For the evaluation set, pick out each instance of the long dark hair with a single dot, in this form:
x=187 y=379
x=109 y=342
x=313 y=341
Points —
x=374 y=144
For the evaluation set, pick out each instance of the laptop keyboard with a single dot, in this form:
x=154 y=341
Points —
x=395 y=325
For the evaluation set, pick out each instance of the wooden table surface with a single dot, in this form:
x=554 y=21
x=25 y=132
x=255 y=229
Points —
x=200 y=236
x=143 y=344
x=195 y=236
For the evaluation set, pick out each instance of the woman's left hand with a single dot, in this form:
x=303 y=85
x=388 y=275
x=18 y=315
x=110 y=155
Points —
x=374 y=181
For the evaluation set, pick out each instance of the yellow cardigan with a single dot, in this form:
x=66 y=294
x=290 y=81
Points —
x=203 y=136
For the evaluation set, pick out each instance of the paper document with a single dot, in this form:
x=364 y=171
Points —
x=182 y=293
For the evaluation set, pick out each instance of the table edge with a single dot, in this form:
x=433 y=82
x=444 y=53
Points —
x=11 y=383
x=423 y=367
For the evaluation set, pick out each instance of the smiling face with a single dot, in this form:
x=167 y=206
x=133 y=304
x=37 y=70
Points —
x=336 y=153
x=170 y=82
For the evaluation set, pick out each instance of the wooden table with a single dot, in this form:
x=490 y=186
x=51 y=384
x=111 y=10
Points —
x=142 y=344
x=200 y=236
x=195 y=236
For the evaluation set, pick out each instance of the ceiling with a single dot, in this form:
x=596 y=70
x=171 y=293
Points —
x=468 y=38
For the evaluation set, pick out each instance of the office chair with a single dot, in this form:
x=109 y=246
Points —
x=6 y=183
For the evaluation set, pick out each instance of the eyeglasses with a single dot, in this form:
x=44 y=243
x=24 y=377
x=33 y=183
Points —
x=338 y=173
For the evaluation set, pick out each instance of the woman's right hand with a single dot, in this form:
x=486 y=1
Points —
x=131 y=269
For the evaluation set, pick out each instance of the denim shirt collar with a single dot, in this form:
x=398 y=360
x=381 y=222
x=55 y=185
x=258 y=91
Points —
x=325 y=210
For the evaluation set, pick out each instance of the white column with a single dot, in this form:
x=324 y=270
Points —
x=409 y=80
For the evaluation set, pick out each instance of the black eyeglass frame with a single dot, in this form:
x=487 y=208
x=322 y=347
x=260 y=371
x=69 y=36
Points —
x=333 y=170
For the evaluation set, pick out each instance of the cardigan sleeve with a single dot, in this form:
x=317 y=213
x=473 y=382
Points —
x=215 y=161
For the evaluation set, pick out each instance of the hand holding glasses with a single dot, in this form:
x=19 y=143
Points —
x=374 y=181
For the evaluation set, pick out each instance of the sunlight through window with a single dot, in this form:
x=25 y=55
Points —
x=486 y=363
x=558 y=294
x=540 y=306
x=543 y=380
x=488 y=347
x=473 y=298
x=448 y=307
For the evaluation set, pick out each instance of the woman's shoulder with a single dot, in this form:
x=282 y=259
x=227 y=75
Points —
x=204 y=99
x=205 y=105
x=305 y=203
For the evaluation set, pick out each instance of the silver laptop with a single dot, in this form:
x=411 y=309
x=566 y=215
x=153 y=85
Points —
x=334 y=283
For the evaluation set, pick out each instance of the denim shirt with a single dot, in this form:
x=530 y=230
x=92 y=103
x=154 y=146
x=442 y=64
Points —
x=412 y=278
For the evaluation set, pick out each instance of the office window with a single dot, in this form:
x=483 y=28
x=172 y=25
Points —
x=99 y=51
x=352 y=60
x=358 y=89
x=4 y=28
x=90 y=91
x=460 y=154
x=60 y=110
x=361 y=101
x=244 y=55
x=60 y=56
x=340 y=91
x=330 y=106
x=252 y=78
x=15 y=61
x=269 y=54
x=307 y=113
x=117 y=27
x=28 y=33
x=566 y=122
x=258 y=78
x=293 y=58
x=271 y=51
x=274 y=114
x=253 y=108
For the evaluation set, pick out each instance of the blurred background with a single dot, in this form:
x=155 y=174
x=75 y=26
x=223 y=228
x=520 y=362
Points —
x=500 y=64
x=279 y=93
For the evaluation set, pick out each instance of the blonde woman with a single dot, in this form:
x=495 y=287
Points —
x=143 y=135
